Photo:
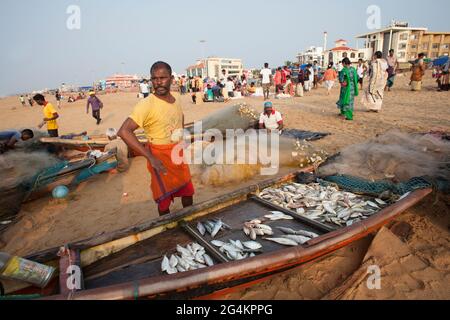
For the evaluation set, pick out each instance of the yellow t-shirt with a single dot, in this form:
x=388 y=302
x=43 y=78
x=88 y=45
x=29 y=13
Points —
x=159 y=119
x=49 y=110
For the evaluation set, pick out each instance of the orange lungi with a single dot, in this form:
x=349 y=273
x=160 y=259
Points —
x=176 y=183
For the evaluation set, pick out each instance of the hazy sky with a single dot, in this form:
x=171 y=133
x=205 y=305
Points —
x=39 y=51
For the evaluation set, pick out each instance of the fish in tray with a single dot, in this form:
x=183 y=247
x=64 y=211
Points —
x=283 y=241
x=303 y=233
x=322 y=203
x=212 y=227
x=256 y=228
x=191 y=257
x=237 y=250
x=277 y=215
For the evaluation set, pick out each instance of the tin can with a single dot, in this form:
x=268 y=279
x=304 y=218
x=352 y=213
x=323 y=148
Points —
x=25 y=270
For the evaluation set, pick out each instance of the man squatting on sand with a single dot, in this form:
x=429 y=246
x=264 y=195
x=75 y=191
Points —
x=160 y=116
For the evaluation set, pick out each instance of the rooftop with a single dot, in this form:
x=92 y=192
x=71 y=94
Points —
x=388 y=29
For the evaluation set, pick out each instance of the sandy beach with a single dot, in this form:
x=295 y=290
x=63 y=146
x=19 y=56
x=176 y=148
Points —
x=414 y=266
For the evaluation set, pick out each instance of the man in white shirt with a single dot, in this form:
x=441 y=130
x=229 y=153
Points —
x=266 y=75
x=223 y=77
x=144 y=88
x=229 y=86
x=270 y=119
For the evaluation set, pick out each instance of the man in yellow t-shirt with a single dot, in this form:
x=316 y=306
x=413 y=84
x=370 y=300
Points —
x=162 y=118
x=50 y=115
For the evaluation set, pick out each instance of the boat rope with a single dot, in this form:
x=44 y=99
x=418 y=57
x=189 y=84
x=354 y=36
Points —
x=136 y=290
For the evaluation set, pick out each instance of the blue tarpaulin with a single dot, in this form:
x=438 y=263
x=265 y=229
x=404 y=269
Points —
x=440 y=61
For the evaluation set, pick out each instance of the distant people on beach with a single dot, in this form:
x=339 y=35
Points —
x=362 y=70
x=374 y=94
x=50 y=115
x=58 y=99
x=22 y=100
x=143 y=87
x=266 y=80
x=8 y=139
x=229 y=87
x=418 y=71
x=96 y=105
x=348 y=79
x=30 y=100
x=330 y=77
x=393 y=66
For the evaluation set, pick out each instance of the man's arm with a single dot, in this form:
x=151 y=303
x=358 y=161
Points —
x=11 y=143
x=55 y=116
x=126 y=132
x=87 y=106
x=280 y=125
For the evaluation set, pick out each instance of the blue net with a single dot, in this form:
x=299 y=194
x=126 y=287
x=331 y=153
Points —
x=375 y=188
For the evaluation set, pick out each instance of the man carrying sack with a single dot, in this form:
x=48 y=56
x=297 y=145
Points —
x=160 y=116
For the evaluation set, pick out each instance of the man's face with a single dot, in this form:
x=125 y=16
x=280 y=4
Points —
x=40 y=102
x=161 y=80
x=25 y=137
x=268 y=110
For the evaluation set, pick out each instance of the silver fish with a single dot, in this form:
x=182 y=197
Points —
x=183 y=251
x=208 y=260
x=252 y=245
x=217 y=228
x=172 y=271
x=201 y=228
x=173 y=261
x=180 y=268
x=297 y=239
x=283 y=241
x=165 y=264
x=217 y=243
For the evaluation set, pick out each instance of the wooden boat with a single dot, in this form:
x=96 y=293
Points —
x=126 y=264
x=65 y=173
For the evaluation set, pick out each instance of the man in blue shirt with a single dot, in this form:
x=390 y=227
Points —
x=8 y=139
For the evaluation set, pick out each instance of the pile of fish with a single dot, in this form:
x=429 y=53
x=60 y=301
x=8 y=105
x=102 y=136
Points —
x=192 y=257
x=212 y=227
x=237 y=250
x=324 y=204
x=246 y=111
x=305 y=154
x=256 y=228
x=292 y=237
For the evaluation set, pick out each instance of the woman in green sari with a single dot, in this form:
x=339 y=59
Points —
x=348 y=78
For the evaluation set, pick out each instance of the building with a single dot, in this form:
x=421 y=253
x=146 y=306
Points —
x=212 y=67
x=342 y=50
x=122 y=81
x=407 y=42
x=310 y=55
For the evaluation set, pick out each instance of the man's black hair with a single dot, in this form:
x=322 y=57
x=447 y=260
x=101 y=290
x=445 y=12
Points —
x=379 y=54
x=266 y=65
x=39 y=97
x=161 y=64
x=346 y=61
x=28 y=132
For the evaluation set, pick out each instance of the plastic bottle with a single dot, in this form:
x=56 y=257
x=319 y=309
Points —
x=12 y=267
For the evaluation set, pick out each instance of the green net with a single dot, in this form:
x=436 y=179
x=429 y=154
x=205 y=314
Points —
x=375 y=188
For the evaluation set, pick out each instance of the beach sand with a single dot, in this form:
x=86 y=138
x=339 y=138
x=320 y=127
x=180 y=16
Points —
x=417 y=266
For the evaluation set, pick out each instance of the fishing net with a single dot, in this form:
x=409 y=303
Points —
x=376 y=188
x=239 y=116
x=303 y=135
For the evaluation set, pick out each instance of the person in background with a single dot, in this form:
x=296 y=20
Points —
x=50 y=115
x=229 y=86
x=251 y=89
x=330 y=77
x=393 y=66
x=270 y=119
x=362 y=70
x=278 y=80
x=119 y=147
x=418 y=71
x=217 y=92
x=266 y=80
x=339 y=67
x=208 y=95
x=374 y=94
x=223 y=76
x=289 y=87
x=348 y=79
x=30 y=100
x=58 y=99
x=22 y=100
x=161 y=117
x=143 y=87
x=307 y=78
x=444 y=86
x=96 y=104
x=8 y=139
x=316 y=69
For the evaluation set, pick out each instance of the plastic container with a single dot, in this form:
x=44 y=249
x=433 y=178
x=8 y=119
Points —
x=12 y=267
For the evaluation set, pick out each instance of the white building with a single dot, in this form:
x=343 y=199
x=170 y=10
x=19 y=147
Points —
x=407 y=42
x=310 y=55
x=212 y=67
x=342 y=50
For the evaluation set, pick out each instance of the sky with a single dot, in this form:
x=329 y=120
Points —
x=115 y=36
